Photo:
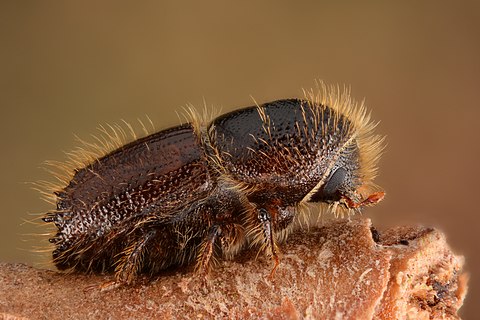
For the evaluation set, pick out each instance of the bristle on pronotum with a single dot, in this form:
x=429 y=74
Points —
x=371 y=145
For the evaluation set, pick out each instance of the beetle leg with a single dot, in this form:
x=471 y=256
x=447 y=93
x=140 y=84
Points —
x=266 y=222
x=371 y=199
x=131 y=261
x=207 y=249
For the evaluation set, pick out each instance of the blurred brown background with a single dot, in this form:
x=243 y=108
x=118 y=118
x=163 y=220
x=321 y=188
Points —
x=66 y=67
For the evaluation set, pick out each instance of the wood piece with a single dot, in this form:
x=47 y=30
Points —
x=334 y=272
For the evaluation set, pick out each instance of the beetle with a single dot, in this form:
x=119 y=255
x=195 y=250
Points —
x=199 y=191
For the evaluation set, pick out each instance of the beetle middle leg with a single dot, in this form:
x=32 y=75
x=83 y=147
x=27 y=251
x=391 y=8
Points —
x=207 y=249
x=267 y=227
x=226 y=238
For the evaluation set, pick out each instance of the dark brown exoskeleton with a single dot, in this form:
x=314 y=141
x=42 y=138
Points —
x=200 y=192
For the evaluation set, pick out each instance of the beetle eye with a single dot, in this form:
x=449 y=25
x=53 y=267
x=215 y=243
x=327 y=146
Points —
x=335 y=181
x=329 y=191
